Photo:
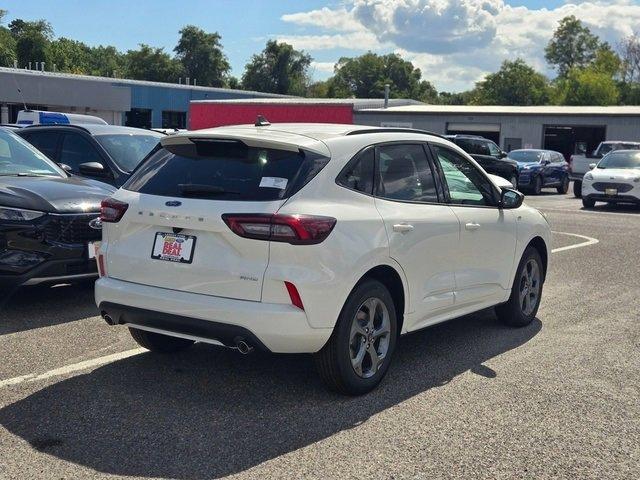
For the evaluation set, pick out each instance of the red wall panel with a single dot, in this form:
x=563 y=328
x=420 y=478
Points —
x=206 y=115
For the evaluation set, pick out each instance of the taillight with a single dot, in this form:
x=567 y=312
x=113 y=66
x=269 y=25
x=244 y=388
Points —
x=112 y=210
x=293 y=229
x=294 y=295
x=102 y=271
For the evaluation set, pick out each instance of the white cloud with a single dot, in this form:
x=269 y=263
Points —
x=456 y=42
x=324 y=67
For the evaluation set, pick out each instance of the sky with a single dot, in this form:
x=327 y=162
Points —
x=454 y=42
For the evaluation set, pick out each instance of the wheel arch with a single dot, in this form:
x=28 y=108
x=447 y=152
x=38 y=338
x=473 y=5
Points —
x=393 y=281
x=540 y=245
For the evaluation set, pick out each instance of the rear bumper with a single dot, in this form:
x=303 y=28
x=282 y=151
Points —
x=278 y=328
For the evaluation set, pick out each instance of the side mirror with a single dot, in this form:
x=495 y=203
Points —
x=592 y=166
x=510 y=198
x=65 y=167
x=91 y=168
x=502 y=154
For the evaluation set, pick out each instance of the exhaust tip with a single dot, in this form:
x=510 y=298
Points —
x=107 y=318
x=243 y=347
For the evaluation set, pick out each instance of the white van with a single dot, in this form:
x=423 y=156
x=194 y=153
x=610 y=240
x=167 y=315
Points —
x=38 y=117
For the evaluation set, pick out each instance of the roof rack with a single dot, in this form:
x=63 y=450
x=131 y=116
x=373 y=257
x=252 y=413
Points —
x=47 y=125
x=394 y=130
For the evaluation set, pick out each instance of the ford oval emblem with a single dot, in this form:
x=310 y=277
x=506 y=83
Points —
x=173 y=203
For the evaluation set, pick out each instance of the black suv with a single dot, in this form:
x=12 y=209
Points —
x=103 y=152
x=490 y=157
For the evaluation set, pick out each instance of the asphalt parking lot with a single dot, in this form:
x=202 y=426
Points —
x=465 y=399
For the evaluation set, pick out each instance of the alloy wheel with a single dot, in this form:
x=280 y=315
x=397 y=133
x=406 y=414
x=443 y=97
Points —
x=370 y=337
x=529 y=292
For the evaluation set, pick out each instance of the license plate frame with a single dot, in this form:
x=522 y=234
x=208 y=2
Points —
x=159 y=251
x=611 y=192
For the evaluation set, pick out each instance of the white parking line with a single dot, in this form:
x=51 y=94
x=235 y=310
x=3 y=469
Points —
x=588 y=212
x=589 y=241
x=85 y=365
x=97 y=362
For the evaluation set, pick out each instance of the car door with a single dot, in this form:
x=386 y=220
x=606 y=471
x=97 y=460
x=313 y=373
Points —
x=76 y=152
x=423 y=232
x=486 y=250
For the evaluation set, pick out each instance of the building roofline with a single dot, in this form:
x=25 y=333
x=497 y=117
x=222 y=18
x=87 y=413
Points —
x=497 y=110
x=128 y=81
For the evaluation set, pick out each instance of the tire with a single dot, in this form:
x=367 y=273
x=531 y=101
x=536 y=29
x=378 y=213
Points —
x=564 y=187
x=537 y=186
x=336 y=363
x=588 y=202
x=577 y=188
x=513 y=312
x=159 y=343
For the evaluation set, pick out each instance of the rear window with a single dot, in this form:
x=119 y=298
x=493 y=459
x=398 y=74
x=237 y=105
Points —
x=225 y=170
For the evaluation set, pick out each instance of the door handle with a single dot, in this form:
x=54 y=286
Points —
x=402 y=227
x=472 y=226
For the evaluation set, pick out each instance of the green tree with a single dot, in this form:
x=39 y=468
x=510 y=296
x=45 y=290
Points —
x=106 y=62
x=7 y=44
x=516 y=83
x=365 y=77
x=279 y=68
x=572 y=45
x=32 y=41
x=153 y=64
x=234 y=83
x=586 y=87
x=69 y=56
x=201 y=56
x=607 y=61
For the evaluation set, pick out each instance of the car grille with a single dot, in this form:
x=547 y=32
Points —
x=71 y=229
x=621 y=187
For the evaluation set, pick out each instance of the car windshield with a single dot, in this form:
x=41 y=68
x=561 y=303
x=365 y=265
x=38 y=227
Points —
x=128 y=149
x=620 y=160
x=20 y=159
x=610 y=147
x=526 y=156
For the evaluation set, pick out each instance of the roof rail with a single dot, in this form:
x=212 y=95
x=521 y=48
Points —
x=394 y=130
x=58 y=125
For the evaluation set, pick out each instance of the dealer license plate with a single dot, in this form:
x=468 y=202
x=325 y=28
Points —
x=611 y=191
x=173 y=247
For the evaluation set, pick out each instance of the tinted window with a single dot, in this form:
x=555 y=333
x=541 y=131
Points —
x=17 y=157
x=225 y=170
x=77 y=150
x=46 y=142
x=467 y=186
x=482 y=147
x=405 y=174
x=359 y=174
x=467 y=145
x=493 y=149
x=127 y=150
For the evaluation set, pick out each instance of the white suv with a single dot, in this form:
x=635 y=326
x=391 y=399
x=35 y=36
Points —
x=317 y=238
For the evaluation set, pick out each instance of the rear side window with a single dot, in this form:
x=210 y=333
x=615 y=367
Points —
x=358 y=175
x=46 y=142
x=225 y=170
x=405 y=174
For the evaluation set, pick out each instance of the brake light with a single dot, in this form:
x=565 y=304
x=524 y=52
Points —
x=294 y=295
x=293 y=229
x=112 y=210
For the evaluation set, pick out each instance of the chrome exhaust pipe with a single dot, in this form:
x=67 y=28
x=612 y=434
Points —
x=243 y=347
x=108 y=318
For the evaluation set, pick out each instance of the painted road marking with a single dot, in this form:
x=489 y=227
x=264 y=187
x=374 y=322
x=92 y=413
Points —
x=588 y=212
x=98 y=362
x=588 y=241
x=75 y=367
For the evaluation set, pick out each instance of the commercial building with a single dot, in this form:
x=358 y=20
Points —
x=565 y=129
x=118 y=101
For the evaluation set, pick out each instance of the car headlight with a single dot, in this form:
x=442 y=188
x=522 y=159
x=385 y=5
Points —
x=18 y=214
x=588 y=176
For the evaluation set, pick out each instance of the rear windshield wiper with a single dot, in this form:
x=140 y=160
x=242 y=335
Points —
x=199 y=189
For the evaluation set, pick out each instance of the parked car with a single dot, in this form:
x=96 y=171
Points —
x=44 y=218
x=315 y=238
x=488 y=155
x=107 y=153
x=615 y=179
x=579 y=164
x=538 y=169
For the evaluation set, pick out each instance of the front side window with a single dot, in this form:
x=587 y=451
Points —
x=467 y=186
x=46 y=142
x=493 y=149
x=19 y=158
x=404 y=173
x=77 y=150
x=359 y=174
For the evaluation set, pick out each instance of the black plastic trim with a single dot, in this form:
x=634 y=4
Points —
x=210 y=330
